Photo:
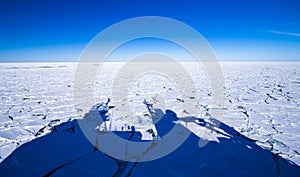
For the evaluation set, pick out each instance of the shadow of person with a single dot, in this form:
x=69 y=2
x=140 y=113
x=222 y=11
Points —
x=68 y=153
x=164 y=122
x=233 y=155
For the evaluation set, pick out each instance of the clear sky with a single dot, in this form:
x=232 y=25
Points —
x=238 y=30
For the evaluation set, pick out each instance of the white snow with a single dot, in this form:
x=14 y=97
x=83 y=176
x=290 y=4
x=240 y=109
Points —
x=262 y=101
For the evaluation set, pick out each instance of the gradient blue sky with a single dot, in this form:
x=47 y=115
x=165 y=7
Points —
x=238 y=30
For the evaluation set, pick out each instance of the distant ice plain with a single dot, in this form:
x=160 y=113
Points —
x=262 y=100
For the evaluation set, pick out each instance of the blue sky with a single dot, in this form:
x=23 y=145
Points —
x=238 y=30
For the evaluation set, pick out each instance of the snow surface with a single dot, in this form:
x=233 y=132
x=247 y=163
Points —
x=66 y=151
x=262 y=103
